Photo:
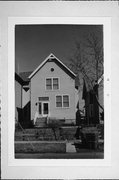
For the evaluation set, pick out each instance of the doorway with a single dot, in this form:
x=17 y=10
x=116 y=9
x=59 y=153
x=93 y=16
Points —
x=43 y=108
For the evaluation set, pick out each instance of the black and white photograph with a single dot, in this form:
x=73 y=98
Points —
x=59 y=91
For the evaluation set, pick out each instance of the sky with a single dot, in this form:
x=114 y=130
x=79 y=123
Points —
x=33 y=43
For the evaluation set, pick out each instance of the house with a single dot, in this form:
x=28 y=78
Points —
x=101 y=99
x=18 y=96
x=52 y=91
x=22 y=101
x=101 y=92
x=93 y=97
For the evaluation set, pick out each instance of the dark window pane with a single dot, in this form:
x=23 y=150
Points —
x=45 y=108
x=40 y=108
x=58 y=101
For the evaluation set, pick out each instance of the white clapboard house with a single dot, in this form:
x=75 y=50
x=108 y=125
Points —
x=52 y=91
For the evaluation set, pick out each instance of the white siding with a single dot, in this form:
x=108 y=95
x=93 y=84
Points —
x=25 y=97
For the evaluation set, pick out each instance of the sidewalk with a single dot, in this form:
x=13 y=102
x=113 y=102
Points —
x=81 y=155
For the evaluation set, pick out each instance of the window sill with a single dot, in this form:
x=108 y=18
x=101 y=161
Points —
x=52 y=90
x=62 y=107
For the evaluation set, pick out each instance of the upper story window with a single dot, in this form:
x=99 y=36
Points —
x=52 y=83
x=55 y=83
x=48 y=83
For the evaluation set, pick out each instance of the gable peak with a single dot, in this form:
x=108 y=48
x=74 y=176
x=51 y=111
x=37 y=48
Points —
x=51 y=56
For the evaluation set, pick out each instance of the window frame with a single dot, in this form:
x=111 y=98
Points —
x=62 y=101
x=56 y=101
x=52 y=89
x=55 y=84
x=46 y=84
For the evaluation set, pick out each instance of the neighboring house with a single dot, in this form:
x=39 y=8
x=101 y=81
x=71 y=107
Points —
x=101 y=98
x=52 y=90
x=22 y=101
x=93 y=97
x=26 y=98
x=101 y=92
x=18 y=95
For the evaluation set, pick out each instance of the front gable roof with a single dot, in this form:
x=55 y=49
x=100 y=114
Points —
x=52 y=58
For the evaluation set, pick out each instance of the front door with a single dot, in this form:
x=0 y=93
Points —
x=43 y=108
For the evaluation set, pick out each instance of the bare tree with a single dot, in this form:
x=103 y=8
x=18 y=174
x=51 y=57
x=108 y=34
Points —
x=94 y=48
x=87 y=61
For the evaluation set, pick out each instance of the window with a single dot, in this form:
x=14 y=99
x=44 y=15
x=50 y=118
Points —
x=65 y=101
x=55 y=83
x=52 y=83
x=58 y=101
x=62 y=101
x=49 y=84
